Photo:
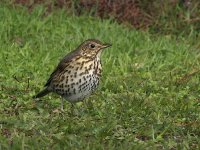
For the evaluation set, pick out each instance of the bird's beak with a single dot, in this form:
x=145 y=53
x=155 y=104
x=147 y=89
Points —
x=105 y=45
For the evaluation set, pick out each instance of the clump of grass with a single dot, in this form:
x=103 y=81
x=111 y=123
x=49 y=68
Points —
x=142 y=101
x=176 y=18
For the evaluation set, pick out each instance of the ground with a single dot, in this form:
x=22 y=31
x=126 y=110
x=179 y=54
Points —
x=148 y=96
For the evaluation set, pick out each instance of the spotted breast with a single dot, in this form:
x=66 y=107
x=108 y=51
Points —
x=78 y=81
x=77 y=74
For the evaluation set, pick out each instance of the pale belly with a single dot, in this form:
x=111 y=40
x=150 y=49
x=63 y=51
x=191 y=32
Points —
x=79 y=88
x=77 y=97
x=76 y=84
x=83 y=89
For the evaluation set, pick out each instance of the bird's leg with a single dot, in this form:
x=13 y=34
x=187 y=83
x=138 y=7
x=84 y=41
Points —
x=61 y=110
x=85 y=104
x=88 y=105
x=72 y=109
x=62 y=104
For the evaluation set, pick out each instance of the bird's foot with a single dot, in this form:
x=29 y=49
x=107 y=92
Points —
x=58 y=111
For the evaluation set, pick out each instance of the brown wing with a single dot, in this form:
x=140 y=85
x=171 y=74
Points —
x=61 y=66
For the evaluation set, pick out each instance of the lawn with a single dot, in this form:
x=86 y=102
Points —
x=148 y=98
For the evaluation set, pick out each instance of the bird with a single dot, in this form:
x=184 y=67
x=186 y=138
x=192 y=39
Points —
x=77 y=75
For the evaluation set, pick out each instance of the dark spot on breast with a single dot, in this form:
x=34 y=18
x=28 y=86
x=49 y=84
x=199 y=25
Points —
x=72 y=85
x=82 y=63
x=74 y=90
x=89 y=60
x=75 y=74
x=71 y=66
x=84 y=78
x=82 y=73
x=82 y=85
x=62 y=78
x=58 y=90
x=90 y=67
x=61 y=86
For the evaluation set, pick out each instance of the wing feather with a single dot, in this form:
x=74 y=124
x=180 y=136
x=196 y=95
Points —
x=61 y=66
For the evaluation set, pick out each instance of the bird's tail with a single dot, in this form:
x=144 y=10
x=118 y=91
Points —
x=42 y=93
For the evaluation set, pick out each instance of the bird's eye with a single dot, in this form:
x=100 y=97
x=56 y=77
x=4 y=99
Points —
x=92 y=46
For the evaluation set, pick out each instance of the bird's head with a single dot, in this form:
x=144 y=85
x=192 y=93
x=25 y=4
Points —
x=92 y=48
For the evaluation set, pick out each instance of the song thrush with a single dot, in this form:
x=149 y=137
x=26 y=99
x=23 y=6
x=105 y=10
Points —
x=78 y=73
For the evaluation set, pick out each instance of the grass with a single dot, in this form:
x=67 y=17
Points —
x=148 y=97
